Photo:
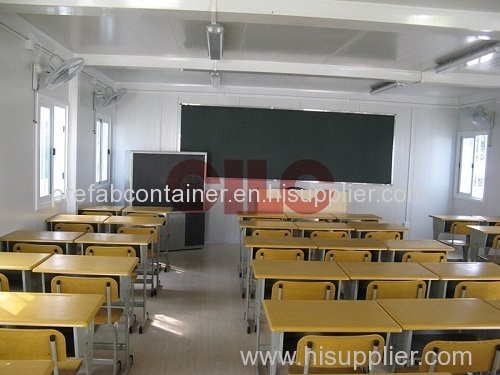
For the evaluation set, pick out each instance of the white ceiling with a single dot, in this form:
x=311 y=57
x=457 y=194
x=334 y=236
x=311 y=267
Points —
x=327 y=45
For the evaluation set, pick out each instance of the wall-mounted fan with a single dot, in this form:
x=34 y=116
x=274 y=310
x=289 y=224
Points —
x=59 y=72
x=480 y=118
x=111 y=96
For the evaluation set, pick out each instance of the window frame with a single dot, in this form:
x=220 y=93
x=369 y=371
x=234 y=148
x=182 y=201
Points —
x=460 y=136
x=48 y=200
x=104 y=119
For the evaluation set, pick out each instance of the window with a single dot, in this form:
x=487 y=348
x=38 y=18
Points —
x=471 y=165
x=102 y=151
x=51 y=151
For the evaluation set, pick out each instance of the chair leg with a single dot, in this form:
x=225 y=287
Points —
x=115 y=348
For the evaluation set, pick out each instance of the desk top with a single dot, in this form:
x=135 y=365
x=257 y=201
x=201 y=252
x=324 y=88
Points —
x=148 y=209
x=348 y=244
x=26 y=367
x=115 y=239
x=486 y=229
x=297 y=270
x=109 y=207
x=41 y=236
x=367 y=226
x=261 y=215
x=267 y=224
x=464 y=271
x=360 y=217
x=415 y=245
x=328 y=316
x=322 y=225
x=316 y=215
x=48 y=310
x=386 y=271
x=279 y=242
x=135 y=220
x=88 y=265
x=21 y=261
x=456 y=217
x=442 y=313
x=489 y=219
x=494 y=302
x=77 y=219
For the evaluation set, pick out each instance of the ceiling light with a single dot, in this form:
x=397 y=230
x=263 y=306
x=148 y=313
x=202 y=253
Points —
x=471 y=58
x=386 y=86
x=215 y=78
x=215 y=37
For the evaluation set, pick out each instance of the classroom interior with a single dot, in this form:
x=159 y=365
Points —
x=326 y=56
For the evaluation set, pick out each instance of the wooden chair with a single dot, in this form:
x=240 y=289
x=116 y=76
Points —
x=38 y=344
x=311 y=349
x=478 y=356
x=383 y=235
x=100 y=213
x=303 y=290
x=325 y=234
x=348 y=256
x=423 y=256
x=107 y=315
x=272 y=233
x=143 y=214
x=396 y=289
x=460 y=236
x=4 y=283
x=65 y=227
x=478 y=289
x=33 y=248
x=279 y=254
x=492 y=254
x=153 y=253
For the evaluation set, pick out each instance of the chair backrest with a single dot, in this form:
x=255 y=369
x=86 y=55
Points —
x=422 y=256
x=118 y=251
x=38 y=344
x=143 y=214
x=478 y=289
x=35 y=248
x=254 y=219
x=461 y=356
x=4 y=283
x=105 y=286
x=279 y=254
x=496 y=241
x=66 y=227
x=383 y=235
x=396 y=289
x=100 y=213
x=303 y=290
x=272 y=233
x=311 y=351
x=348 y=256
x=497 y=224
x=325 y=234
x=140 y=230
x=461 y=228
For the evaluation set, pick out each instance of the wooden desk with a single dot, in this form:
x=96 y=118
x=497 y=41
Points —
x=24 y=262
x=76 y=311
x=363 y=227
x=442 y=223
x=323 y=226
x=459 y=271
x=42 y=237
x=26 y=367
x=356 y=217
x=97 y=220
x=372 y=271
x=414 y=245
x=494 y=303
x=311 y=216
x=349 y=244
x=141 y=240
x=325 y=317
x=261 y=215
x=491 y=220
x=479 y=236
x=291 y=270
x=121 y=267
x=159 y=210
x=267 y=224
x=116 y=209
x=439 y=314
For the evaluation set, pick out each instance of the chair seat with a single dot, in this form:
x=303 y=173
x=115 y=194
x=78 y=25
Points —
x=69 y=367
x=101 y=317
x=455 y=242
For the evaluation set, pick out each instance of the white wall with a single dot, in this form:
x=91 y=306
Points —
x=17 y=140
x=491 y=203
x=151 y=121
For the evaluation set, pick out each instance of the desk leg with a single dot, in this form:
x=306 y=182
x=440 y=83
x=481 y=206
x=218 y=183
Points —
x=84 y=345
x=438 y=227
x=351 y=290
x=126 y=291
x=259 y=297
x=402 y=343
x=27 y=287
x=477 y=240
x=144 y=261
x=276 y=350
x=247 y=294
x=339 y=289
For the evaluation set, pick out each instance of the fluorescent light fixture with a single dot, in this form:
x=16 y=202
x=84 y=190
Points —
x=386 y=86
x=473 y=57
x=215 y=38
x=215 y=78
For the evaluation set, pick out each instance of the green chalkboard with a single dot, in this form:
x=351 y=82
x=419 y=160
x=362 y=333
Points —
x=291 y=144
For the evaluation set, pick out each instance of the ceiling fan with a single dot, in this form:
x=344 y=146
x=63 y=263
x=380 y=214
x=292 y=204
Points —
x=111 y=96
x=479 y=117
x=59 y=72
